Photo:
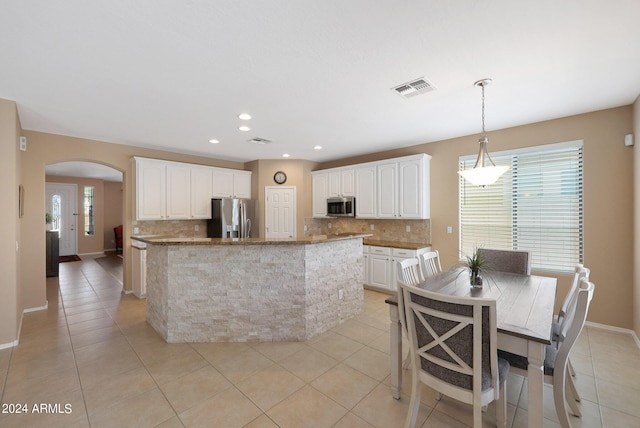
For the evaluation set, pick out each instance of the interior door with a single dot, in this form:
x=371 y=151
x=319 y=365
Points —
x=280 y=212
x=62 y=204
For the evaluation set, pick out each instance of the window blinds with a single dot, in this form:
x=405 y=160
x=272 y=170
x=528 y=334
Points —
x=535 y=206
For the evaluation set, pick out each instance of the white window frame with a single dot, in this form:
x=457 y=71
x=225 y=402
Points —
x=516 y=222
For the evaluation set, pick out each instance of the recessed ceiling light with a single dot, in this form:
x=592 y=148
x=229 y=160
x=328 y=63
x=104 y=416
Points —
x=244 y=116
x=244 y=128
x=286 y=155
x=317 y=147
x=214 y=141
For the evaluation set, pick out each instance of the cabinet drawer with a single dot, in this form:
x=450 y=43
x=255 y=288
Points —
x=401 y=252
x=385 y=251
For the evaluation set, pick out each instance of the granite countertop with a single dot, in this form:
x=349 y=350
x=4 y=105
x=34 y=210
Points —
x=396 y=244
x=316 y=239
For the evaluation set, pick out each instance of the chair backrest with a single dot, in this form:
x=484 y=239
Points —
x=453 y=341
x=573 y=323
x=409 y=271
x=576 y=313
x=430 y=263
x=580 y=272
x=513 y=261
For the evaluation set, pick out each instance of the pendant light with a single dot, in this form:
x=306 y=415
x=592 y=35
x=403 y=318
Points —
x=485 y=172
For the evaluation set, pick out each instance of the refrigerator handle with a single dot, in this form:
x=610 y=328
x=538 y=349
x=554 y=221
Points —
x=243 y=219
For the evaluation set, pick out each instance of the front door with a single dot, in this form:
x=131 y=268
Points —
x=280 y=212
x=62 y=205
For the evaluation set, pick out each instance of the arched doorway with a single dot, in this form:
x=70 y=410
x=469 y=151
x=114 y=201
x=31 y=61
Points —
x=96 y=208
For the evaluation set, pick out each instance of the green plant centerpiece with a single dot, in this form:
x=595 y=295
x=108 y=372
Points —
x=475 y=264
x=48 y=218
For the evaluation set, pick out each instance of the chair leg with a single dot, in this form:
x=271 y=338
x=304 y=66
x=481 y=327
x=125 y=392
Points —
x=573 y=403
x=574 y=389
x=571 y=369
x=501 y=407
x=414 y=404
x=559 y=389
x=477 y=416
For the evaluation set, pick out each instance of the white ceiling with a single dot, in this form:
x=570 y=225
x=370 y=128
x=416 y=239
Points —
x=173 y=74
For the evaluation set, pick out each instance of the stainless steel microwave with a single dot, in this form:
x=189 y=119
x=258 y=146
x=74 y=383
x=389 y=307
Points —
x=341 y=207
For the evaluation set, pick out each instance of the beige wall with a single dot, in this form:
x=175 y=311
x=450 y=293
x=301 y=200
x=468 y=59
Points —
x=10 y=291
x=298 y=175
x=608 y=198
x=113 y=203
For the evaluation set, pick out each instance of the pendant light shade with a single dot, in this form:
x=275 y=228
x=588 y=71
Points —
x=485 y=172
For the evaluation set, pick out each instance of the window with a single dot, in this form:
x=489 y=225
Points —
x=88 y=210
x=537 y=206
x=56 y=213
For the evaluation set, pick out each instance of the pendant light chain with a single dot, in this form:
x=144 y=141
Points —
x=484 y=134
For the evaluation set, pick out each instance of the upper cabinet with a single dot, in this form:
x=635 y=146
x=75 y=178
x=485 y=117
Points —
x=341 y=182
x=393 y=188
x=178 y=191
x=231 y=183
x=320 y=192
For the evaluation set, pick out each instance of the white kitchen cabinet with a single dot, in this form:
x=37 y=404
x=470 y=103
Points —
x=228 y=183
x=139 y=269
x=151 y=176
x=387 y=190
x=201 y=192
x=380 y=267
x=365 y=264
x=366 y=191
x=413 y=187
x=178 y=191
x=320 y=183
x=242 y=184
x=394 y=188
x=341 y=182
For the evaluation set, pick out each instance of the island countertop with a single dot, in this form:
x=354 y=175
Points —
x=316 y=239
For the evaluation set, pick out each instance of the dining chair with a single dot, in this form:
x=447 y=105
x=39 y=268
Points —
x=556 y=360
x=430 y=263
x=453 y=347
x=409 y=272
x=513 y=261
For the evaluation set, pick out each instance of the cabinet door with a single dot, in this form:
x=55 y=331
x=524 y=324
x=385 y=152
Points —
x=348 y=182
x=413 y=189
x=178 y=192
x=222 y=183
x=319 y=190
x=201 y=192
x=334 y=188
x=150 y=190
x=366 y=192
x=365 y=269
x=242 y=184
x=380 y=271
x=387 y=190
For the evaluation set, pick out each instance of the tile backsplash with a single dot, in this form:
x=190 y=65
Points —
x=384 y=230
x=181 y=228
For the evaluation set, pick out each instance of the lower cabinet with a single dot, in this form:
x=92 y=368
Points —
x=380 y=264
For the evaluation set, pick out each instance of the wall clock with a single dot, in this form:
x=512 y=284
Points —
x=280 y=177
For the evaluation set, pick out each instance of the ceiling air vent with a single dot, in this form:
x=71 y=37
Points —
x=259 y=140
x=416 y=87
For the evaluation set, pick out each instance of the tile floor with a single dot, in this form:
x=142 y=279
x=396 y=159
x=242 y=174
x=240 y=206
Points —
x=95 y=362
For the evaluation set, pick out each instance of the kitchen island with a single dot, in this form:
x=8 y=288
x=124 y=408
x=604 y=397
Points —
x=252 y=289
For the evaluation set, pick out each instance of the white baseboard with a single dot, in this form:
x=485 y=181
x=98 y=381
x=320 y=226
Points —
x=616 y=329
x=24 y=311
x=127 y=291
x=98 y=253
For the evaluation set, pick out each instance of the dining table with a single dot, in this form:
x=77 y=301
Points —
x=524 y=312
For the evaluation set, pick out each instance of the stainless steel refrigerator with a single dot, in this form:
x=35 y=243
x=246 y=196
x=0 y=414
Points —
x=233 y=218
